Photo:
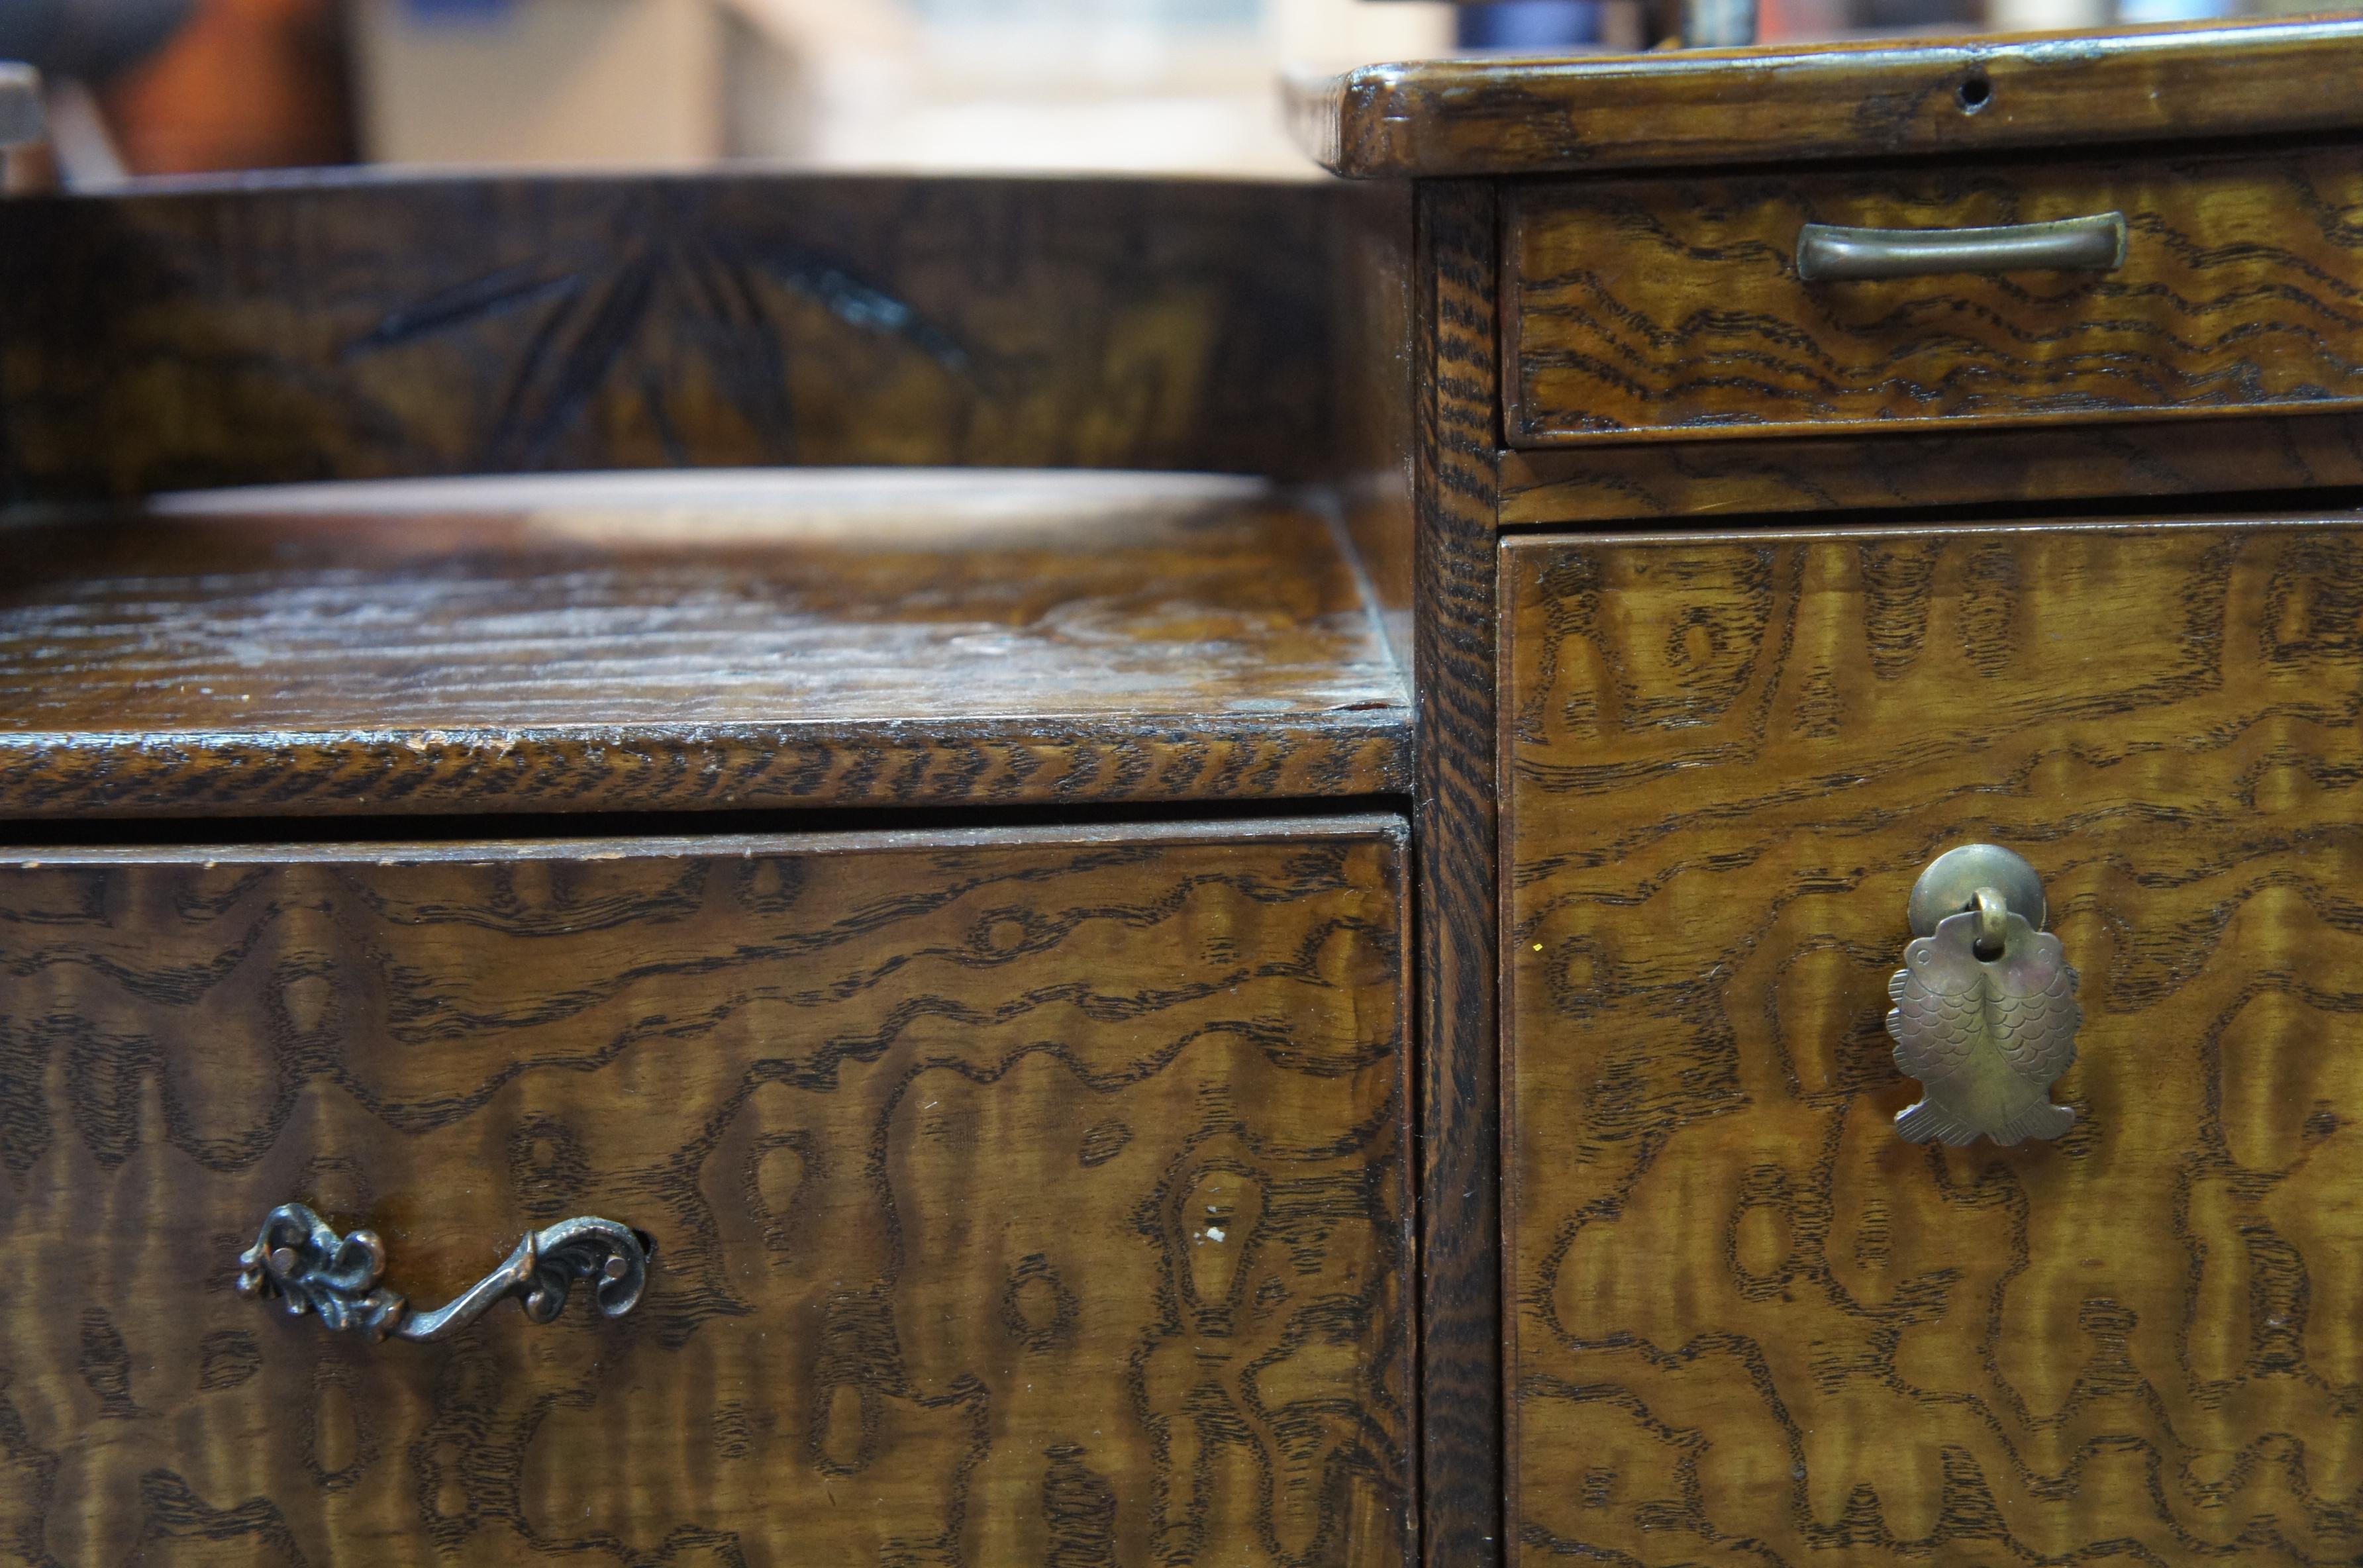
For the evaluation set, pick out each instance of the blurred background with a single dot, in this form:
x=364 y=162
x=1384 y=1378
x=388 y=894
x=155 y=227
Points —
x=186 y=86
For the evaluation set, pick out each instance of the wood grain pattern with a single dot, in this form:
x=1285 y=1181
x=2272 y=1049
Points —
x=2061 y=461
x=1672 y=307
x=1752 y=1324
x=670 y=644
x=1020 y=1198
x=353 y=327
x=1708 y=108
x=1460 y=1263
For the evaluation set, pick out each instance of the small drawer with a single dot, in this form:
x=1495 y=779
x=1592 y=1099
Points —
x=1017 y=1196
x=1749 y=1302
x=1673 y=308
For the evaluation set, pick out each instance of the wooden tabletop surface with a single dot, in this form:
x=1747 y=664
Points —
x=1496 y=115
x=631 y=643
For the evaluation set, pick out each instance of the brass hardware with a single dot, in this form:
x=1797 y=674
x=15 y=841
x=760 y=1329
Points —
x=1985 y=1004
x=1950 y=885
x=297 y=1256
x=1826 y=253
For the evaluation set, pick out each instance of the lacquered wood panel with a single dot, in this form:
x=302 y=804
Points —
x=360 y=327
x=669 y=644
x=1874 y=97
x=1455 y=633
x=1672 y=307
x=1022 y=1196
x=1751 y=1322
x=2059 y=461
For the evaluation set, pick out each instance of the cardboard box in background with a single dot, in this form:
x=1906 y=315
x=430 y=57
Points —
x=1110 y=85
x=591 y=83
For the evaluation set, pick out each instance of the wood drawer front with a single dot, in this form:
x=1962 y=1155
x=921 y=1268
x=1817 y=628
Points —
x=1745 y=1311
x=1020 y=1196
x=1672 y=308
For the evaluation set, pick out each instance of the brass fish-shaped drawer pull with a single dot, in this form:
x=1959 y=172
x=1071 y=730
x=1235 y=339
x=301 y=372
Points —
x=1985 y=1005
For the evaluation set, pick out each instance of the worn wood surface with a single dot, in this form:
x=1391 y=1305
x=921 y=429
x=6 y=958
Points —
x=1709 y=107
x=1672 y=307
x=1460 y=1263
x=1751 y=1323
x=2059 y=461
x=358 y=326
x=679 y=644
x=1020 y=1198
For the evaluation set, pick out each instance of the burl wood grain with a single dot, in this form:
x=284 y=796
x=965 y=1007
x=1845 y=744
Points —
x=1673 y=308
x=1709 y=107
x=665 y=644
x=1750 y=1323
x=1020 y=1198
x=344 y=326
x=1455 y=633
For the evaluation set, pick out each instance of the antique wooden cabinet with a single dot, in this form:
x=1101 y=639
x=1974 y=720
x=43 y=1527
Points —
x=1826 y=459
x=1380 y=971
x=907 y=966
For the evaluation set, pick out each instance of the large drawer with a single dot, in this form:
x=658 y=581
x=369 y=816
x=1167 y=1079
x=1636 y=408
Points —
x=1019 y=1197
x=1657 y=308
x=1750 y=1321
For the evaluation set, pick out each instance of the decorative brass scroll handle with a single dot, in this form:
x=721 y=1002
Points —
x=1826 y=253
x=1985 y=1004
x=299 y=1258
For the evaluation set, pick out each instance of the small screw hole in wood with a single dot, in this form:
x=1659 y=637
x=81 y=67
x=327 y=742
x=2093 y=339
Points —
x=1974 y=93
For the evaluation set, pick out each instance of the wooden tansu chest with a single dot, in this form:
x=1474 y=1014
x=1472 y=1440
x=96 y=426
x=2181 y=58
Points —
x=1627 y=841
x=818 y=1013
x=1840 y=467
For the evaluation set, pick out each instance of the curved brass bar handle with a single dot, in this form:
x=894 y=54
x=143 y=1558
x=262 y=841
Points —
x=1826 y=253
x=1985 y=1005
x=298 y=1257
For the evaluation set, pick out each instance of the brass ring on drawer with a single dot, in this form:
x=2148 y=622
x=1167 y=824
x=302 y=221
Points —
x=300 y=1258
x=1985 y=1005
